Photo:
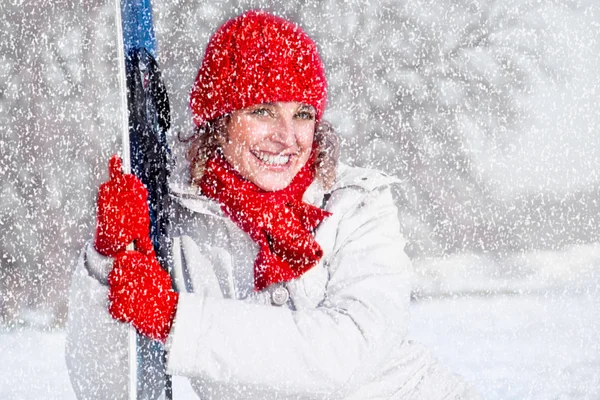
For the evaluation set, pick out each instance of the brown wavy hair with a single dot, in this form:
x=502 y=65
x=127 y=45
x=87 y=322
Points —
x=205 y=141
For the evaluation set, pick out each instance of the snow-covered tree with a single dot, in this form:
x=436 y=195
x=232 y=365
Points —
x=57 y=102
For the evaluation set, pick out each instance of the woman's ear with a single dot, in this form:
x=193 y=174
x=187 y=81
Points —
x=221 y=137
x=221 y=129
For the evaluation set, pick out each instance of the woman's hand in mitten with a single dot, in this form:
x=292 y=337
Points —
x=122 y=212
x=140 y=292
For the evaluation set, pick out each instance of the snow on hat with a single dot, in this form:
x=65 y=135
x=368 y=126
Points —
x=257 y=58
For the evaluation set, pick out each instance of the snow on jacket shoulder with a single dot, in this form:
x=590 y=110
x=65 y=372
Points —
x=337 y=332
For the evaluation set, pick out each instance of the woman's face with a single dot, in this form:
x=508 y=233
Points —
x=269 y=143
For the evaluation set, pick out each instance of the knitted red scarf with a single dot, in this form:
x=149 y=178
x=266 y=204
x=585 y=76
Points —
x=279 y=222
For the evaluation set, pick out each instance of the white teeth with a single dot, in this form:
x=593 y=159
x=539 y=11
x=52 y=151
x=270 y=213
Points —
x=274 y=160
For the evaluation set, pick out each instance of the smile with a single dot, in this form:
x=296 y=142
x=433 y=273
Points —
x=271 y=159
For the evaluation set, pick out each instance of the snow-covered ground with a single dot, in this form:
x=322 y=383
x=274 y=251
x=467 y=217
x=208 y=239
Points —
x=544 y=346
x=529 y=332
x=526 y=326
x=511 y=347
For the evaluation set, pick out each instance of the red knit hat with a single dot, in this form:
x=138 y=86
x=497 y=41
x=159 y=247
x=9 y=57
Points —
x=257 y=58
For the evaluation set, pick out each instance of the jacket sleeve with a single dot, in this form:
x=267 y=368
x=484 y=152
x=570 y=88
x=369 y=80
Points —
x=96 y=351
x=316 y=351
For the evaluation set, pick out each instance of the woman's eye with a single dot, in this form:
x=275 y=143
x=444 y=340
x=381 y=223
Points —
x=306 y=115
x=261 y=111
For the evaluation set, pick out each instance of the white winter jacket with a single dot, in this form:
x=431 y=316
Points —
x=337 y=332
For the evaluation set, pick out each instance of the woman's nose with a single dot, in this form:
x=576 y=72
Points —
x=284 y=132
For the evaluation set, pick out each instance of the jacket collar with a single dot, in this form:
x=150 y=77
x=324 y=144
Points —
x=191 y=198
x=365 y=178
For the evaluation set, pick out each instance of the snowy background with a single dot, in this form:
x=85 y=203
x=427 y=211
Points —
x=489 y=111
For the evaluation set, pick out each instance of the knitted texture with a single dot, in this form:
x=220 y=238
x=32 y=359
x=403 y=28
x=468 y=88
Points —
x=140 y=292
x=257 y=58
x=122 y=213
x=279 y=222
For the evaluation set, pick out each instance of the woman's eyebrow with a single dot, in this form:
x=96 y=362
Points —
x=306 y=107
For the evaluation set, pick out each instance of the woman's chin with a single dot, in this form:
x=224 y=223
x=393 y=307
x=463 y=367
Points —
x=272 y=182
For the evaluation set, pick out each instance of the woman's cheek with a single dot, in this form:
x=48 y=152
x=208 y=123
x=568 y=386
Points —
x=307 y=137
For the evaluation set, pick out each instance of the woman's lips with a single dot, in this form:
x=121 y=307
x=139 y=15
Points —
x=273 y=161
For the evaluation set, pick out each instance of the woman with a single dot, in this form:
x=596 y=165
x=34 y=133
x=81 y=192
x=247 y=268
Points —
x=291 y=278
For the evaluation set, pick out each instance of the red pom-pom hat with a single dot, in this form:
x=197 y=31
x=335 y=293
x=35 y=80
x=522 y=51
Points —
x=257 y=58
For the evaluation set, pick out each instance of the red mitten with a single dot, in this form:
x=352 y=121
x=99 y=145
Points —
x=140 y=292
x=122 y=213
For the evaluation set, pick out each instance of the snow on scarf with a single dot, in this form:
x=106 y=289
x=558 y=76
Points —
x=279 y=222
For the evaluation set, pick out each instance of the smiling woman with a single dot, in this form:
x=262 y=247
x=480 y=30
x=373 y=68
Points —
x=290 y=277
x=269 y=143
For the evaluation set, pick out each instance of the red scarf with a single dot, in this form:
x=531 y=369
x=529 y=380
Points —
x=279 y=222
